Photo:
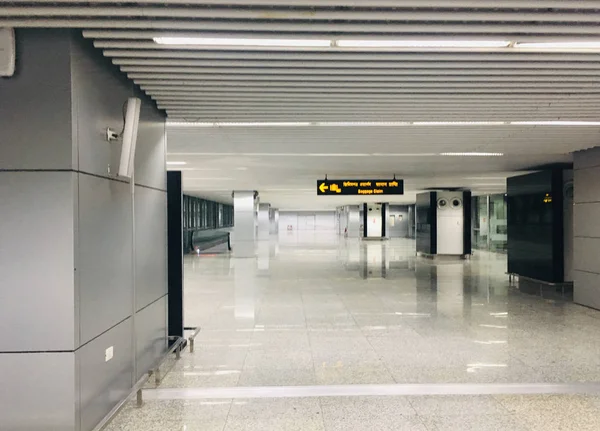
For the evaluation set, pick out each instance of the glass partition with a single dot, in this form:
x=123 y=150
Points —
x=489 y=221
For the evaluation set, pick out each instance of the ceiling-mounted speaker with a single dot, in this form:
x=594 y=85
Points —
x=456 y=203
x=7 y=52
x=130 y=132
x=442 y=203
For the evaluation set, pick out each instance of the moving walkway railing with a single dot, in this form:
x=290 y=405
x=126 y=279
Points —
x=137 y=388
x=192 y=337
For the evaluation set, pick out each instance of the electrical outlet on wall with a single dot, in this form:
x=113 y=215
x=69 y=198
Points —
x=108 y=354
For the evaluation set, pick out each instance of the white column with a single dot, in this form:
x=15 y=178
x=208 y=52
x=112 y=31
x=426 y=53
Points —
x=353 y=221
x=244 y=232
x=274 y=221
x=264 y=222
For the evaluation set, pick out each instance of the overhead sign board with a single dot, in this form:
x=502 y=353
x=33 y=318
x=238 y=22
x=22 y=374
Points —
x=360 y=187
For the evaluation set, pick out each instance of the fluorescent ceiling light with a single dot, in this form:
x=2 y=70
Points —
x=556 y=123
x=288 y=190
x=361 y=123
x=266 y=124
x=384 y=123
x=228 y=41
x=236 y=124
x=494 y=326
x=559 y=45
x=399 y=43
x=485 y=178
x=199 y=169
x=278 y=154
x=208 y=179
x=458 y=123
x=403 y=154
x=176 y=163
x=473 y=154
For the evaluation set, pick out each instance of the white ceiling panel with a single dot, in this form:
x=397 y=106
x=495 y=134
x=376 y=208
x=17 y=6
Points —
x=316 y=85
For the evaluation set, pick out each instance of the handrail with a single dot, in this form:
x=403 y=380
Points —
x=138 y=386
x=192 y=337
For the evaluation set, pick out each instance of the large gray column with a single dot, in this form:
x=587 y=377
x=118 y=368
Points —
x=264 y=222
x=83 y=253
x=244 y=230
x=586 y=229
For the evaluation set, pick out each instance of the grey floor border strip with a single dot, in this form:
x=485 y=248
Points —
x=373 y=390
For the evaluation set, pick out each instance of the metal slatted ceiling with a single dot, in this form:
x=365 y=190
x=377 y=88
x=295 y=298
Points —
x=224 y=84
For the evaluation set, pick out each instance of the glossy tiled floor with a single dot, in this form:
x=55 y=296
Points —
x=318 y=311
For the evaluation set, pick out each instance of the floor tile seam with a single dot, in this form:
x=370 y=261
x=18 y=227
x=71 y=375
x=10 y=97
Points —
x=227 y=416
x=385 y=364
x=312 y=356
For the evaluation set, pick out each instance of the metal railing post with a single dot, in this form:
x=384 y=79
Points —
x=139 y=398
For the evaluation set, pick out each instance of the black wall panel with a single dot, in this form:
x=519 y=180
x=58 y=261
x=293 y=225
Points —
x=426 y=223
x=467 y=201
x=175 y=252
x=535 y=225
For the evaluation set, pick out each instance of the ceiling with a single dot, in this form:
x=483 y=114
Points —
x=225 y=84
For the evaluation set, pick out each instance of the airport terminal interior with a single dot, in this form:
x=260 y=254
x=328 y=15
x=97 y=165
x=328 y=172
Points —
x=299 y=215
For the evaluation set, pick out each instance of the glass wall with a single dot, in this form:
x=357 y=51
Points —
x=200 y=214
x=488 y=218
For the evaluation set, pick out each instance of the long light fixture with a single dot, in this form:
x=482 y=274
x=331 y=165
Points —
x=457 y=123
x=567 y=45
x=177 y=163
x=472 y=154
x=340 y=154
x=564 y=45
x=383 y=123
x=227 y=41
x=399 y=43
x=556 y=123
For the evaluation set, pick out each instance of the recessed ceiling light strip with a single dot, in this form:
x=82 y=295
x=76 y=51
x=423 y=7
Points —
x=371 y=44
x=385 y=123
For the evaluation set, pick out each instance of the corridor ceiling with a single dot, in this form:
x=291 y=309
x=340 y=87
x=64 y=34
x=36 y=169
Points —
x=500 y=88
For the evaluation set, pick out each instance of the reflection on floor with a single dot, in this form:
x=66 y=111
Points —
x=321 y=310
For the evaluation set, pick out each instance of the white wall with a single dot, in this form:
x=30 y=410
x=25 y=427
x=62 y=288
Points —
x=374 y=220
x=450 y=225
x=307 y=221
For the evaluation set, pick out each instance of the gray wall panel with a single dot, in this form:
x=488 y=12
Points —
x=586 y=212
x=587 y=289
x=587 y=185
x=587 y=158
x=400 y=228
x=105 y=265
x=99 y=95
x=586 y=256
x=37 y=261
x=37 y=392
x=40 y=92
x=103 y=383
x=151 y=333
x=150 y=245
x=150 y=156
x=586 y=217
